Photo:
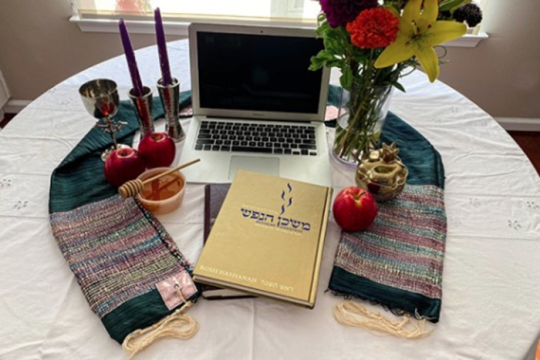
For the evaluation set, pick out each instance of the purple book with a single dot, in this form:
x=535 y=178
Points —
x=214 y=196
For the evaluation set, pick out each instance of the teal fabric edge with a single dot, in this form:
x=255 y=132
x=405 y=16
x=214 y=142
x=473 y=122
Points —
x=138 y=313
x=421 y=158
x=346 y=284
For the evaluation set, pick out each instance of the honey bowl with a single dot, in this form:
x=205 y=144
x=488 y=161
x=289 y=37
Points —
x=162 y=195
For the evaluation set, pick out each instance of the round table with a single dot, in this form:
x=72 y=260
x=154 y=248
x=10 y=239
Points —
x=491 y=283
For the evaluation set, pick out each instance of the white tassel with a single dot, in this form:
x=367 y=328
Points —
x=176 y=325
x=352 y=314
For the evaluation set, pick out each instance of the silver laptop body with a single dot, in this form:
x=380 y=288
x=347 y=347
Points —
x=256 y=105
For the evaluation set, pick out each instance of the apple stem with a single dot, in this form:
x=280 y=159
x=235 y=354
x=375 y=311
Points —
x=359 y=195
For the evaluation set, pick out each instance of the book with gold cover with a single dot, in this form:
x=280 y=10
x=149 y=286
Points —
x=268 y=239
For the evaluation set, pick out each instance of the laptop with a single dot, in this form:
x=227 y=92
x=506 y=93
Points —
x=256 y=106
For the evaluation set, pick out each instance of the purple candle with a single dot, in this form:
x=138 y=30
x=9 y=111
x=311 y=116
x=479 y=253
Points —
x=162 y=47
x=132 y=62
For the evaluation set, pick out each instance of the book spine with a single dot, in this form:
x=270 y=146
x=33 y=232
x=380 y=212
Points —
x=207 y=220
x=320 y=249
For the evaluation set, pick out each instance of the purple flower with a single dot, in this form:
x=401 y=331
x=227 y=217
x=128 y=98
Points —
x=341 y=12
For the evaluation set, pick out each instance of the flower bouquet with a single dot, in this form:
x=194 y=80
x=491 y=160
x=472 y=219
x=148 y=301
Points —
x=372 y=43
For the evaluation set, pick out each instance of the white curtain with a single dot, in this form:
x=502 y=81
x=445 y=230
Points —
x=4 y=94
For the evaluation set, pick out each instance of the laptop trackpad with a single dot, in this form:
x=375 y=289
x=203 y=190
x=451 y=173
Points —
x=263 y=165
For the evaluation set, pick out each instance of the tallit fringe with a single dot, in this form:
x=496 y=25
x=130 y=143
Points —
x=352 y=314
x=177 y=325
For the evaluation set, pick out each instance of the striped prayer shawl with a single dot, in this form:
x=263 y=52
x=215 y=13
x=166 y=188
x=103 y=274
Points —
x=398 y=261
x=116 y=249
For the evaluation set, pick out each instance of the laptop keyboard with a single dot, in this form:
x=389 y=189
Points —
x=257 y=138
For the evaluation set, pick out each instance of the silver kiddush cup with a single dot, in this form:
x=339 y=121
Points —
x=143 y=109
x=170 y=99
x=100 y=98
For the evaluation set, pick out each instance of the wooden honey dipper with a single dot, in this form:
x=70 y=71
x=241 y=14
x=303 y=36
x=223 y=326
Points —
x=133 y=187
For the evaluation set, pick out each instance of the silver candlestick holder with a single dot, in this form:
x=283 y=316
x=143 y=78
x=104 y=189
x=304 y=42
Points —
x=170 y=99
x=143 y=109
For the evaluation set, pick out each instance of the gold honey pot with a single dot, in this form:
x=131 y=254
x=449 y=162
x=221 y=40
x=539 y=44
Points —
x=383 y=173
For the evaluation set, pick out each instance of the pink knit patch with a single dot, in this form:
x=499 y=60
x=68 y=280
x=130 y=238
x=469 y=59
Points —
x=168 y=289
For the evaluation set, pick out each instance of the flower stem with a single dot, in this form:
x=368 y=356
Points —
x=365 y=109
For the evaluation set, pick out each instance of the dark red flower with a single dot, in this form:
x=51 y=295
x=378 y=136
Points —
x=340 y=12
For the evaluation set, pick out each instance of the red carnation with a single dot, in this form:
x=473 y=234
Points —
x=374 y=28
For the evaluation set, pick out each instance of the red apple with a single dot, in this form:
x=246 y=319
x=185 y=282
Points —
x=354 y=209
x=157 y=150
x=123 y=165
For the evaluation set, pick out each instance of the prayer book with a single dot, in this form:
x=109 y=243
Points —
x=268 y=239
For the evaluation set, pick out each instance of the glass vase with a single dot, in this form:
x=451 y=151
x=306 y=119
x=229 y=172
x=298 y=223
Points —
x=360 y=121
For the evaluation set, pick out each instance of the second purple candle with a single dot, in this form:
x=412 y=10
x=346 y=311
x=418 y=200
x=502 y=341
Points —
x=162 y=48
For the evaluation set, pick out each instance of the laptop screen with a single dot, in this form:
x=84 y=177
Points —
x=258 y=72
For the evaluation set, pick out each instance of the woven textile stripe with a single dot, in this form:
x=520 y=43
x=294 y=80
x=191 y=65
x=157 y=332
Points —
x=404 y=248
x=116 y=250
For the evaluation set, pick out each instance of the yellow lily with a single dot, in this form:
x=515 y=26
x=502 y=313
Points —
x=419 y=32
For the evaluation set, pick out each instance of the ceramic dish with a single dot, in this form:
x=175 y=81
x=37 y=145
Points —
x=163 y=195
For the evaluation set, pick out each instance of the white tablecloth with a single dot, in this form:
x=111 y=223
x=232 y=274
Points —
x=491 y=283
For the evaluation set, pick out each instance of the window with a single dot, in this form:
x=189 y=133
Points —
x=102 y=15
x=292 y=11
x=483 y=5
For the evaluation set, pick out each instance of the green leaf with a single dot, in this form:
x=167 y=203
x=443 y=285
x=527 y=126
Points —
x=398 y=86
x=447 y=5
x=324 y=58
x=335 y=40
x=465 y=2
x=346 y=78
x=332 y=45
x=361 y=56
x=316 y=63
x=321 y=29
x=334 y=63
x=325 y=55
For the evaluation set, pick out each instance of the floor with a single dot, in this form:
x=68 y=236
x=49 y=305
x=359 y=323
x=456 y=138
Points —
x=528 y=141
x=5 y=120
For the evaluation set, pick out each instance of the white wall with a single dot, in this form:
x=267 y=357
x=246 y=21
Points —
x=502 y=74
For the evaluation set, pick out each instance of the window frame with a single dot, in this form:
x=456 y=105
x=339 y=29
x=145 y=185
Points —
x=144 y=24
